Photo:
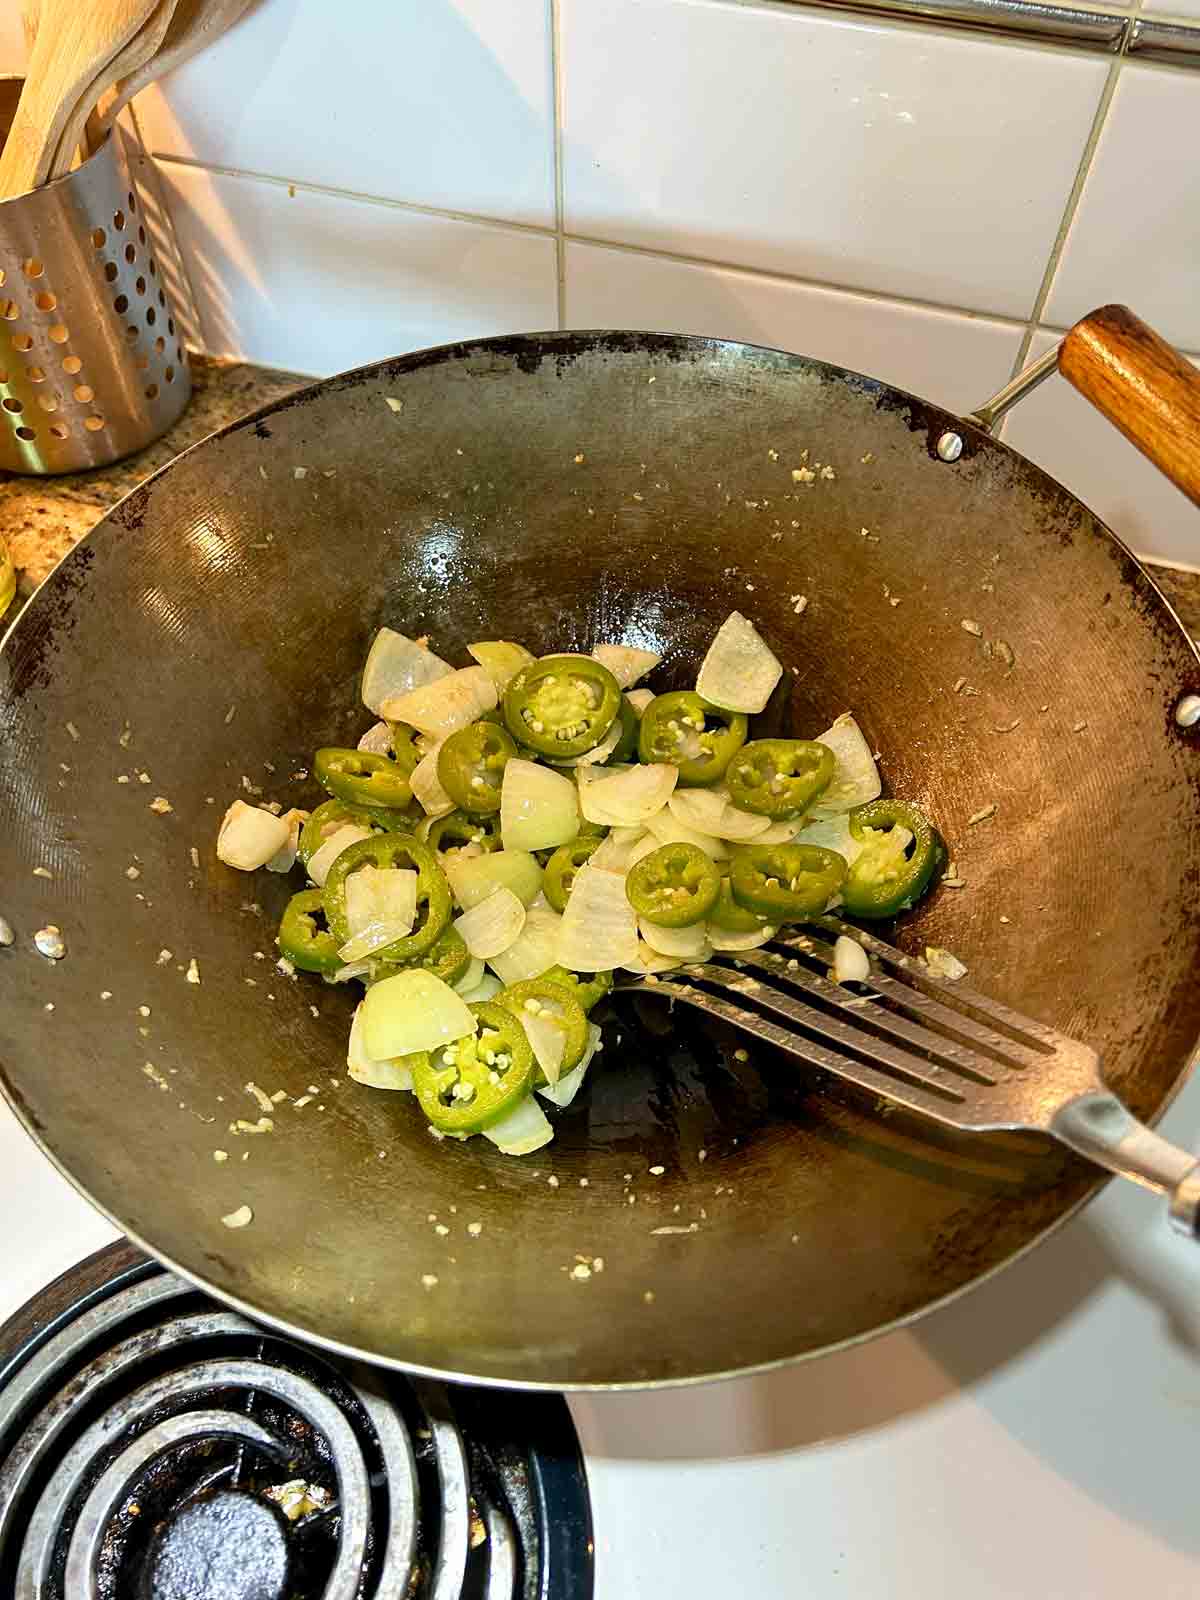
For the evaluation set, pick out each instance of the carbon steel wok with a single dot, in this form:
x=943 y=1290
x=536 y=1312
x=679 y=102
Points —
x=564 y=489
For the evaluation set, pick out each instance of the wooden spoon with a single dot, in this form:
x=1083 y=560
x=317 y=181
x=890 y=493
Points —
x=73 y=44
x=196 y=23
x=29 y=23
x=130 y=58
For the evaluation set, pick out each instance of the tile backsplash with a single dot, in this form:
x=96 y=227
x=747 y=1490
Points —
x=925 y=198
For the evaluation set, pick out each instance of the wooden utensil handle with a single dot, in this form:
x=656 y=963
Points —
x=1143 y=386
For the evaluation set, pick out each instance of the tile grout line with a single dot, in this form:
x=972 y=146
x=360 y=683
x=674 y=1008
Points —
x=560 y=242
x=1072 y=205
x=598 y=241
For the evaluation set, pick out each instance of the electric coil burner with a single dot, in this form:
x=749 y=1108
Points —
x=154 y=1446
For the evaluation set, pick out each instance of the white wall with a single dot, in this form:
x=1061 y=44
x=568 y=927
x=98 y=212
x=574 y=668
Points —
x=925 y=205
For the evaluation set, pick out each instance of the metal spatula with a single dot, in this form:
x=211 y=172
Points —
x=934 y=1045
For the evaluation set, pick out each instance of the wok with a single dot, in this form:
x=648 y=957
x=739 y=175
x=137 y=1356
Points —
x=563 y=489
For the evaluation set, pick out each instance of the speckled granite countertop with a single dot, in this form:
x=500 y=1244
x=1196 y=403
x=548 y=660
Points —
x=43 y=517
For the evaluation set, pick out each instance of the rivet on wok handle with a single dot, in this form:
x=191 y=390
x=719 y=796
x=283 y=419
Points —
x=1187 y=712
x=950 y=446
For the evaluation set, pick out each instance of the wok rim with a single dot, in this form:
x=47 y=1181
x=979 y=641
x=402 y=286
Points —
x=547 y=340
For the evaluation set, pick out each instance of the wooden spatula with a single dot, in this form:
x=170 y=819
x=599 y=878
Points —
x=130 y=58
x=195 y=24
x=73 y=44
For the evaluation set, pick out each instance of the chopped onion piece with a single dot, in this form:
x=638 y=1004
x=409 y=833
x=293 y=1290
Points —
x=943 y=963
x=702 y=809
x=441 y=708
x=568 y=1086
x=833 y=833
x=471 y=978
x=411 y=1011
x=626 y=662
x=487 y=988
x=381 y=894
x=473 y=878
x=722 y=939
x=682 y=944
x=855 y=775
x=599 y=752
x=622 y=798
x=500 y=659
x=739 y=671
x=381 y=907
x=780 y=832
x=538 y=808
x=390 y=1073
x=284 y=858
x=711 y=811
x=639 y=699
x=645 y=961
x=352 y=970
x=489 y=928
x=535 y=952
x=522 y=1131
x=643 y=846
x=612 y=853
x=427 y=786
x=851 y=964
x=249 y=836
x=667 y=829
x=599 y=926
x=547 y=1039
x=377 y=739
x=321 y=860
x=395 y=666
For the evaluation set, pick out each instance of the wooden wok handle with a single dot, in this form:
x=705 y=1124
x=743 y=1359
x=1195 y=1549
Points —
x=1143 y=386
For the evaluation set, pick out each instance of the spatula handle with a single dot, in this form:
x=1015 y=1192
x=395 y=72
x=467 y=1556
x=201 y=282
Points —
x=1142 y=385
x=1097 y=1125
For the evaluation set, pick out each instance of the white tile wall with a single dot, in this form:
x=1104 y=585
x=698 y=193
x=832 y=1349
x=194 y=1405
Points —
x=444 y=103
x=1057 y=428
x=318 y=282
x=854 y=152
x=1136 y=234
x=952 y=359
x=885 y=195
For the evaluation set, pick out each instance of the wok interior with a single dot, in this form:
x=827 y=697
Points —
x=561 y=491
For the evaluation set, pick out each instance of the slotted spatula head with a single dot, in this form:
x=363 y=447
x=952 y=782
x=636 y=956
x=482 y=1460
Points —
x=72 y=46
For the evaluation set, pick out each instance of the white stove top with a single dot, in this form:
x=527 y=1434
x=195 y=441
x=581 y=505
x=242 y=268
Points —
x=1032 y=1442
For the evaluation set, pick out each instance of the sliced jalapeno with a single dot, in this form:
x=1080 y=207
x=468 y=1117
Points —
x=890 y=875
x=674 y=885
x=471 y=766
x=556 y=1004
x=404 y=747
x=361 y=779
x=475 y=1081
x=625 y=748
x=331 y=815
x=586 y=990
x=685 y=731
x=457 y=831
x=561 y=705
x=779 y=777
x=447 y=958
x=731 y=917
x=392 y=850
x=303 y=937
x=785 y=882
x=562 y=867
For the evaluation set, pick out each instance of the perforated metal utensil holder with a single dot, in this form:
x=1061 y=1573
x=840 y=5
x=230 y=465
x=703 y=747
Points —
x=92 y=364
